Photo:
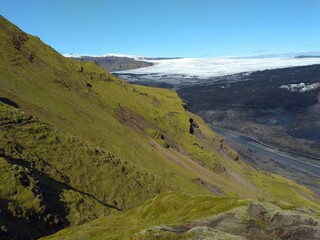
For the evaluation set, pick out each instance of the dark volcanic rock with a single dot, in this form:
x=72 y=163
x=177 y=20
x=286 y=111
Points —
x=264 y=105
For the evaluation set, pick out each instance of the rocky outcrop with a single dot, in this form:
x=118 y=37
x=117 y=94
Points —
x=193 y=125
x=256 y=221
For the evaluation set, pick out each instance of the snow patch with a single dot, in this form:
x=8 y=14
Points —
x=137 y=58
x=71 y=55
x=301 y=87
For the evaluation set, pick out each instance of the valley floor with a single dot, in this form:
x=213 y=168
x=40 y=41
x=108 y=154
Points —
x=303 y=170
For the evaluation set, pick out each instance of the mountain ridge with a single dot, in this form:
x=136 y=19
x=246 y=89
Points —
x=115 y=63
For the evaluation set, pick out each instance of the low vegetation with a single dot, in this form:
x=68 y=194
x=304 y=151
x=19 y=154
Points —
x=180 y=216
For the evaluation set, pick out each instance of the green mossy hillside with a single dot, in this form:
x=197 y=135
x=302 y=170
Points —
x=46 y=172
x=96 y=145
x=21 y=207
x=181 y=216
x=169 y=209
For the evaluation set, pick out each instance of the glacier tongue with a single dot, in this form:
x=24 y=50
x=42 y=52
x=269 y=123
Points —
x=215 y=67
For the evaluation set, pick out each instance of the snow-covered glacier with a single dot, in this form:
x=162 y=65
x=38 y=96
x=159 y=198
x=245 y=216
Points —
x=188 y=71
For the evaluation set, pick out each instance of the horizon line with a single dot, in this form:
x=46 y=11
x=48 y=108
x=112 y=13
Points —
x=264 y=55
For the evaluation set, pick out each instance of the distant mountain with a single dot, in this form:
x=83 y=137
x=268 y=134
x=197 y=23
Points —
x=115 y=63
x=162 y=58
x=118 y=62
x=307 y=56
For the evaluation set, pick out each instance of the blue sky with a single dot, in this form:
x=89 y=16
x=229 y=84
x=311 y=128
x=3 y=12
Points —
x=186 y=28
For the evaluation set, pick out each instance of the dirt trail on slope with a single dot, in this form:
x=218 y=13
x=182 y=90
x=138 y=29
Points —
x=231 y=182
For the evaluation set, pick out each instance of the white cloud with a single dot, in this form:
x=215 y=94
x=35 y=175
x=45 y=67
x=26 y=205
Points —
x=72 y=55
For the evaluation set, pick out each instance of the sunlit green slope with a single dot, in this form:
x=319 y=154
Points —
x=181 y=216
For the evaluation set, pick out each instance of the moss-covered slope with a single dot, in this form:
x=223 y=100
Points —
x=180 y=216
x=51 y=179
x=95 y=144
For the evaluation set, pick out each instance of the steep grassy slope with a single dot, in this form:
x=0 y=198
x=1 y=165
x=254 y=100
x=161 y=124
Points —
x=52 y=179
x=96 y=144
x=180 y=216
x=21 y=204
x=86 y=101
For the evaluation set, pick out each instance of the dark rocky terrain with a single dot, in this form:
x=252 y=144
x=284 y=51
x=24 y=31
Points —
x=114 y=63
x=260 y=105
x=307 y=56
